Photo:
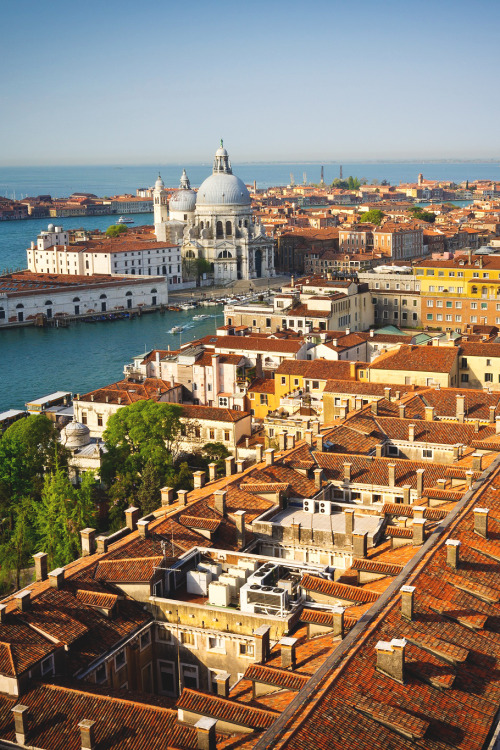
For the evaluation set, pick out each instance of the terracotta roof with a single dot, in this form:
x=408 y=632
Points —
x=373 y=566
x=338 y=590
x=281 y=678
x=213 y=413
x=398 y=509
x=254 y=344
x=97 y=599
x=322 y=369
x=418 y=359
x=225 y=710
x=399 y=532
x=127 y=570
x=210 y=524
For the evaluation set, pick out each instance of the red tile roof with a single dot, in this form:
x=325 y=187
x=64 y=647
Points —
x=226 y=710
x=281 y=678
x=338 y=590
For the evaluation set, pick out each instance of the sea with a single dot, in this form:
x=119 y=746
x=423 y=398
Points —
x=35 y=362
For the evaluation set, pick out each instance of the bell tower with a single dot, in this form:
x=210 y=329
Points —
x=160 y=206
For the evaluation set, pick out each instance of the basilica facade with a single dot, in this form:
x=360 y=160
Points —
x=216 y=223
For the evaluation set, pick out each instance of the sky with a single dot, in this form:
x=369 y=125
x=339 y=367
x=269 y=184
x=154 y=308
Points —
x=127 y=82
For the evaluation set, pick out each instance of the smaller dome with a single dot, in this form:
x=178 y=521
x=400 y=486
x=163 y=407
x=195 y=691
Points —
x=75 y=435
x=183 y=200
x=159 y=184
x=50 y=228
x=221 y=151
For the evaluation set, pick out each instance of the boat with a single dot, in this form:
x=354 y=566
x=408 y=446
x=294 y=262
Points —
x=201 y=317
x=123 y=220
x=177 y=329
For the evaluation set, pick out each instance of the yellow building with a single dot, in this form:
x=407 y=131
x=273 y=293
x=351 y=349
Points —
x=261 y=398
x=417 y=365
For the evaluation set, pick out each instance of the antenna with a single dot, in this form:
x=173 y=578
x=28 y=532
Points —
x=341 y=171
x=292 y=179
x=304 y=178
x=322 y=180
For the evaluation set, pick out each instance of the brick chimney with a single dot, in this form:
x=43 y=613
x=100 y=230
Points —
x=411 y=433
x=391 y=468
x=379 y=450
x=418 y=531
x=131 y=517
x=56 y=578
x=222 y=682
x=338 y=621
x=406 y=494
x=391 y=658
x=318 y=478
x=402 y=412
x=374 y=408
x=87 y=734
x=453 y=553
x=460 y=408
x=167 y=496
x=240 y=528
x=206 y=738
x=220 y=502
x=347 y=472
x=229 y=461
x=199 y=478
x=269 y=457
x=359 y=544
x=41 y=569
x=182 y=497
x=288 y=653
x=420 y=482
x=87 y=537
x=212 y=472
x=262 y=645
x=259 y=450
x=143 y=528
x=481 y=522
x=387 y=393
x=290 y=442
x=23 y=599
x=349 y=522
x=407 y=600
x=20 y=723
x=477 y=462
x=429 y=413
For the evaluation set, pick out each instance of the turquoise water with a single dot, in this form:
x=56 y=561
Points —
x=37 y=361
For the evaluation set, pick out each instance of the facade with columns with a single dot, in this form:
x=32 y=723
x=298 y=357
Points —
x=217 y=223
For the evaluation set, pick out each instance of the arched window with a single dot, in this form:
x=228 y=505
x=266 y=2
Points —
x=474 y=290
x=19 y=306
x=103 y=296
x=201 y=225
x=484 y=291
x=246 y=222
x=219 y=230
x=189 y=254
x=164 y=270
x=224 y=254
x=229 y=229
x=48 y=301
x=76 y=299
x=153 y=290
x=128 y=294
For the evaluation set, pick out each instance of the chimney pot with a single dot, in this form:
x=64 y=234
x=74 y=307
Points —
x=87 y=734
x=167 y=496
x=220 y=502
x=206 y=737
x=131 y=517
x=481 y=522
x=269 y=457
x=87 y=537
x=56 y=578
x=41 y=566
x=407 y=602
x=453 y=553
x=391 y=658
x=20 y=723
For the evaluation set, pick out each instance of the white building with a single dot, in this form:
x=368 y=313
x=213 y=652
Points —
x=217 y=223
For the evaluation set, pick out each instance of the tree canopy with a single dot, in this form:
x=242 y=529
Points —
x=374 y=216
x=116 y=229
x=419 y=213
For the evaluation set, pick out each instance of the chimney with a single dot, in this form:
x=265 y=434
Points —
x=182 y=497
x=453 y=553
x=240 y=465
x=456 y=451
x=391 y=658
x=481 y=522
x=315 y=427
x=318 y=478
x=477 y=462
x=347 y=472
x=476 y=425
x=259 y=450
x=229 y=461
x=429 y=414
x=87 y=537
x=407 y=598
x=199 y=479
x=87 y=734
x=290 y=442
x=23 y=599
x=41 y=569
x=282 y=441
x=374 y=408
x=392 y=474
x=418 y=531
x=20 y=723
x=222 y=682
x=240 y=528
x=143 y=528
x=206 y=738
x=387 y=393
x=352 y=370
x=460 y=410
x=320 y=446
x=338 y=621
x=102 y=544
x=269 y=457
x=220 y=502
x=3 y=613
x=308 y=435
x=497 y=425
x=349 y=522
x=379 y=450
x=469 y=477
x=295 y=527
x=131 y=517
x=411 y=433
x=420 y=482
x=167 y=496
x=288 y=657
x=359 y=544
x=212 y=472
x=56 y=578
x=492 y=414
x=372 y=333
x=261 y=640
x=402 y=411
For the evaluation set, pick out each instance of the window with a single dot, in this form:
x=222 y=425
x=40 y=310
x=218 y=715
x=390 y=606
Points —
x=439 y=317
x=449 y=303
x=166 y=674
x=189 y=675
x=429 y=316
x=84 y=417
x=449 y=318
x=211 y=434
x=458 y=305
x=227 y=436
x=315 y=385
x=439 y=303
x=488 y=363
x=427 y=453
x=120 y=660
x=246 y=649
x=145 y=639
x=99 y=420
x=163 y=635
x=392 y=450
x=484 y=305
x=432 y=288
x=197 y=432
x=254 y=323
x=188 y=639
x=430 y=303
x=488 y=377
x=216 y=643
x=47 y=666
x=268 y=322
x=263 y=398
x=464 y=377
x=458 y=318
x=101 y=674
x=473 y=305
x=283 y=380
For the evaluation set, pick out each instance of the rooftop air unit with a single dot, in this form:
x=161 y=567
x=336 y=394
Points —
x=325 y=507
x=308 y=506
x=219 y=594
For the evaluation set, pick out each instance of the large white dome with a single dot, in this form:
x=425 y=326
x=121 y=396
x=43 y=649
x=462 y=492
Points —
x=183 y=200
x=223 y=189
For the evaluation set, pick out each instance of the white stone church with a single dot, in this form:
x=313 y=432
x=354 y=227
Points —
x=216 y=223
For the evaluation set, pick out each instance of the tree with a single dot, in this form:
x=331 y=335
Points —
x=374 y=216
x=196 y=267
x=61 y=513
x=115 y=230
x=215 y=453
x=420 y=213
x=149 y=496
x=17 y=547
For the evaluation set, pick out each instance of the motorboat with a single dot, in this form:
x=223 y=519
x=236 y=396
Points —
x=177 y=329
x=123 y=220
x=201 y=317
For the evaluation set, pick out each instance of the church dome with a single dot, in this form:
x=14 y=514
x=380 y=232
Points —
x=222 y=189
x=185 y=198
x=75 y=435
x=159 y=184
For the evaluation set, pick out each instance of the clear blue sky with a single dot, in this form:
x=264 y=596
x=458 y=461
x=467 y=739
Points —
x=108 y=81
